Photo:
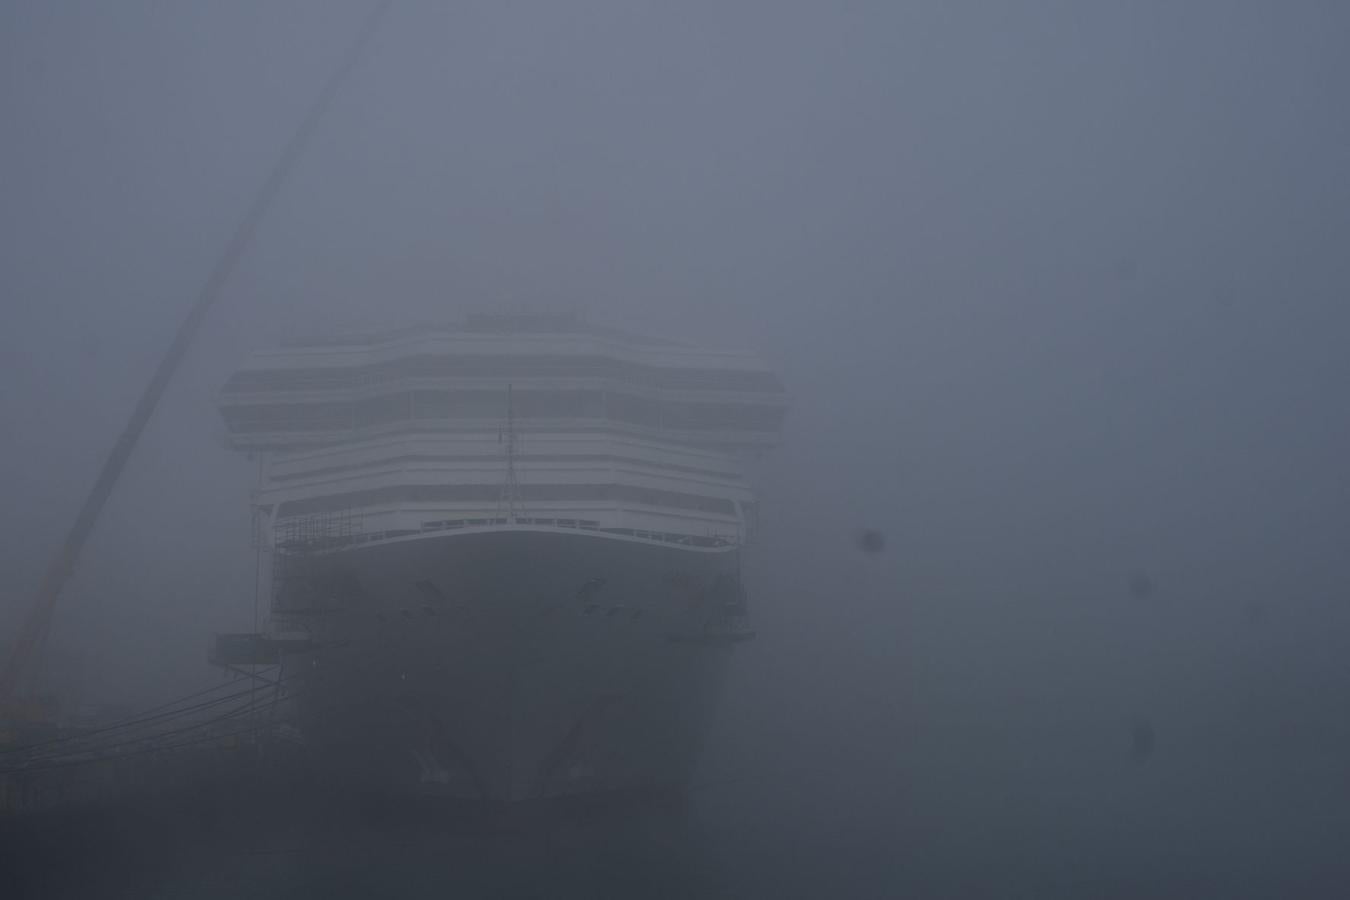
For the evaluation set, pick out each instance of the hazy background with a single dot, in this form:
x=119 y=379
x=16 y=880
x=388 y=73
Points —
x=1059 y=290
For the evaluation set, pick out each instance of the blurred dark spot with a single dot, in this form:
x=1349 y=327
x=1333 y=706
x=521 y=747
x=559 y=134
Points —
x=1140 y=585
x=870 y=540
x=1256 y=613
x=1141 y=740
x=586 y=593
x=1127 y=267
x=89 y=346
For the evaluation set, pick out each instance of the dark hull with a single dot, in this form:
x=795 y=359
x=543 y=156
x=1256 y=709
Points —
x=510 y=665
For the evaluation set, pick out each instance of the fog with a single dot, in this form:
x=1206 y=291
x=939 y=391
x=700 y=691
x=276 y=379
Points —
x=1058 y=290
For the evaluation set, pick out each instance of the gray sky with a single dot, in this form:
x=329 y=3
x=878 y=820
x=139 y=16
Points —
x=1059 y=288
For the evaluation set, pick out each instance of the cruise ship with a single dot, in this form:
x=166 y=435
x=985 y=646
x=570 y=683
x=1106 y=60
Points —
x=506 y=554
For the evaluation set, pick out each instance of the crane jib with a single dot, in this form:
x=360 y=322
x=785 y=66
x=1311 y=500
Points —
x=18 y=668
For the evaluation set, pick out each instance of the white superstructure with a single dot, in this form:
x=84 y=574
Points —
x=540 y=421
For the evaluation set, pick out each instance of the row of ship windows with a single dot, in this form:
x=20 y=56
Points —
x=493 y=493
x=338 y=377
x=413 y=405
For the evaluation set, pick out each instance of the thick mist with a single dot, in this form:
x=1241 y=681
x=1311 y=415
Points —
x=1059 y=291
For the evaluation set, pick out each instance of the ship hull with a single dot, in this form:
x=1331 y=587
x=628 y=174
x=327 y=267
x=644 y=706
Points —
x=510 y=664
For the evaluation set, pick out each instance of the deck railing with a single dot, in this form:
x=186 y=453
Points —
x=331 y=542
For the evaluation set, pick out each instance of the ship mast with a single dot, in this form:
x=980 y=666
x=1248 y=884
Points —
x=511 y=490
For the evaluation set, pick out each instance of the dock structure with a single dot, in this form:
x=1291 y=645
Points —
x=233 y=730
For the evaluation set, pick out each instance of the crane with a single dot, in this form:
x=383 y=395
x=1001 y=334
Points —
x=17 y=673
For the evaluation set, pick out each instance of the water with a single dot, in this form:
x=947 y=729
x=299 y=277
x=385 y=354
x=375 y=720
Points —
x=968 y=822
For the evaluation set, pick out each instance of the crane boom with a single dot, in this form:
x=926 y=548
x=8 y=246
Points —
x=36 y=624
